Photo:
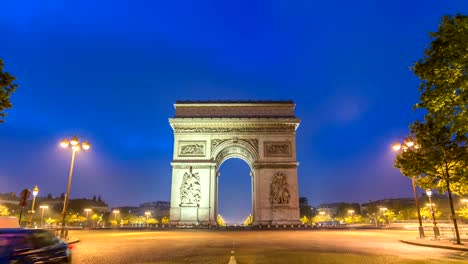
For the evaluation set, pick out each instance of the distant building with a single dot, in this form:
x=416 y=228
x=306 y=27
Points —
x=393 y=203
x=330 y=209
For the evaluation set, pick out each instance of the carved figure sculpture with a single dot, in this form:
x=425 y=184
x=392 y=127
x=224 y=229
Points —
x=190 y=191
x=279 y=193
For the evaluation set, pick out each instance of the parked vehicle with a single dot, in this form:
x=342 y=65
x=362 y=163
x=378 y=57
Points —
x=28 y=246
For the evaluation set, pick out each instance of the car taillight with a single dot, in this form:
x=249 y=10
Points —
x=70 y=246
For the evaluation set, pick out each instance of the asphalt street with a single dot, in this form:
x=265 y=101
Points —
x=278 y=246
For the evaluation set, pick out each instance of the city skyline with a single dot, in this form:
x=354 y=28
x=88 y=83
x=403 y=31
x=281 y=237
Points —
x=113 y=73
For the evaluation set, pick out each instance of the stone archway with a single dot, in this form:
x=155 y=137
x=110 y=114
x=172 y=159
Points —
x=262 y=133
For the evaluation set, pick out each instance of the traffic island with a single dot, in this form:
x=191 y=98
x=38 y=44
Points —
x=442 y=243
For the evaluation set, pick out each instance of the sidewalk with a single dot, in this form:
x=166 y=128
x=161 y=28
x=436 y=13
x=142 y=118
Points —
x=442 y=243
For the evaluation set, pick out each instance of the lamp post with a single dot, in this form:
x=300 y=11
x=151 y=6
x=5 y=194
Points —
x=115 y=215
x=147 y=213
x=351 y=212
x=404 y=147
x=87 y=210
x=383 y=210
x=436 y=229
x=43 y=207
x=31 y=212
x=74 y=142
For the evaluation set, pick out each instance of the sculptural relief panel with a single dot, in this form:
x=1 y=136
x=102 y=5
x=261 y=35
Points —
x=277 y=149
x=192 y=148
x=279 y=192
x=190 y=189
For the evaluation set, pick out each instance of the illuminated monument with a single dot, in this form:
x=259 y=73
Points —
x=207 y=133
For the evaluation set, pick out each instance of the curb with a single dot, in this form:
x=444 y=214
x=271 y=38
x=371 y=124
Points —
x=434 y=246
x=73 y=241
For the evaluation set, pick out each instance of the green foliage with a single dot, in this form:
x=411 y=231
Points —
x=165 y=220
x=4 y=211
x=248 y=221
x=354 y=219
x=113 y=222
x=320 y=218
x=440 y=159
x=463 y=213
x=76 y=219
x=52 y=221
x=220 y=220
x=426 y=213
x=444 y=74
x=304 y=220
x=153 y=221
x=389 y=215
x=7 y=88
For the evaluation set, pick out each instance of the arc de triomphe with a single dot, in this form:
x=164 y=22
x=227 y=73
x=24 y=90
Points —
x=207 y=133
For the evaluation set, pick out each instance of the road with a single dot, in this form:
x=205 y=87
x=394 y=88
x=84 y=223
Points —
x=277 y=246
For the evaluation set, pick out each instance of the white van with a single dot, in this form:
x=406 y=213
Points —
x=9 y=222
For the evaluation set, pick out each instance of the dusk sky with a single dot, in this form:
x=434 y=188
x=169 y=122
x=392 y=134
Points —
x=110 y=71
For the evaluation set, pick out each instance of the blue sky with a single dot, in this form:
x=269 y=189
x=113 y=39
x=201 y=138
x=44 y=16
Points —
x=110 y=71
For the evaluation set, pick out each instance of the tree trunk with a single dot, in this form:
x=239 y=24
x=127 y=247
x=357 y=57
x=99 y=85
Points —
x=453 y=213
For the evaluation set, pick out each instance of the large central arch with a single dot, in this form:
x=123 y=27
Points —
x=262 y=133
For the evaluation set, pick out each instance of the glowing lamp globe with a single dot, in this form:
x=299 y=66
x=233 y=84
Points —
x=64 y=143
x=396 y=147
x=76 y=148
x=86 y=145
x=74 y=141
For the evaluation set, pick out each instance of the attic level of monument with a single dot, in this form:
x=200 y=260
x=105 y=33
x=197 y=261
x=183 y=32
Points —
x=234 y=109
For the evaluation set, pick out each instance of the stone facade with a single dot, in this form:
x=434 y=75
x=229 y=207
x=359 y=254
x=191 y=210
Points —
x=262 y=133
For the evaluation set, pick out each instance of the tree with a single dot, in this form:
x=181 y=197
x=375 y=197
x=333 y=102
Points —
x=426 y=213
x=304 y=220
x=165 y=220
x=389 y=216
x=463 y=213
x=444 y=74
x=49 y=196
x=352 y=219
x=440 y=159
x=7 y=88
x=320 y=218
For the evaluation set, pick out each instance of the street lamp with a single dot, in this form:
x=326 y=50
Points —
x=404 y=147
x=351 y=212
x=383 y=210
x=436 y=229
x=43 y=207
x=31 y=212
x=87 y=210
x=115 y=215
x=75 y=146
x=465 y=201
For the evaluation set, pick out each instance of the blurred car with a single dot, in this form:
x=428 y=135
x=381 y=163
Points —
x=28 y=246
